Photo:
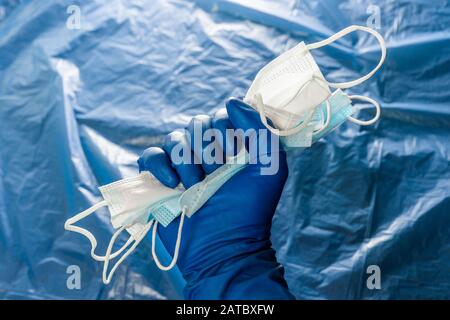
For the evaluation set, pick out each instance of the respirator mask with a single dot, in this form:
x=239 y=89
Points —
x=291 y=88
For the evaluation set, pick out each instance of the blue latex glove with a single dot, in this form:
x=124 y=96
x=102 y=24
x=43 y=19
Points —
x=225 y=252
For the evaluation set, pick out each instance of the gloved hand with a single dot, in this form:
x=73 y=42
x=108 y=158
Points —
x=225 y=251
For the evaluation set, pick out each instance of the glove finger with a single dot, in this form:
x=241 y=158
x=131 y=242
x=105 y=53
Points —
x=156 y=161
x=243 y=116
x=179 y=151
x=203 y=143
x=227 y=140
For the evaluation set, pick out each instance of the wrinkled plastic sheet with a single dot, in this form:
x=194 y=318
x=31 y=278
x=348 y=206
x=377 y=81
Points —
x=77 y=106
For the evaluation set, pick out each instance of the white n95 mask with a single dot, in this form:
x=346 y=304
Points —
x=138 y=203
x=290 y=87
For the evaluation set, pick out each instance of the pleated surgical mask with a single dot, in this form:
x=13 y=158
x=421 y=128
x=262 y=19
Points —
x=128 y=201
x=341 y=110
x=138 y=203
x=291 y=87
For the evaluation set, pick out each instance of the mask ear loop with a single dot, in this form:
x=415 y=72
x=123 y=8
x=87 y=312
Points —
x=371 y=101
x=342 y=33
x=177 y=244
x=70 y=227
x=328 y=115
x=107 y=278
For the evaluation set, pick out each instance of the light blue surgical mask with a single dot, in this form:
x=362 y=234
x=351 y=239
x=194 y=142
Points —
x=192 y=200
x=165 y=211
x=340 y=109
x=325 y=120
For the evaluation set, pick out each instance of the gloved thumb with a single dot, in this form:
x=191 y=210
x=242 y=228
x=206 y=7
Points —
x=243 y=116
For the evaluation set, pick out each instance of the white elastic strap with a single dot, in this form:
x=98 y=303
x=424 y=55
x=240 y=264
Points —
x=342 y=33
x=371 y=101
x=328 y=115
x=70 y=227
x=107 y=278
x=177 y=244
x=262 y=115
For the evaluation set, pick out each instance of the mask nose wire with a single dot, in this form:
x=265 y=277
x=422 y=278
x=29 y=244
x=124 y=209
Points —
x=177 y=243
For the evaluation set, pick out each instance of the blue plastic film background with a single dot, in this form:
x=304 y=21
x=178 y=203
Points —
x=77 y=106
